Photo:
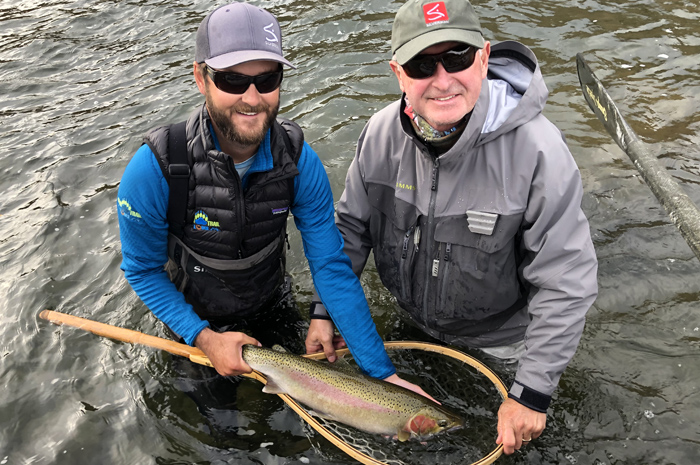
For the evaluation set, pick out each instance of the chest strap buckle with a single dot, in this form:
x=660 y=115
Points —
x=179 y=171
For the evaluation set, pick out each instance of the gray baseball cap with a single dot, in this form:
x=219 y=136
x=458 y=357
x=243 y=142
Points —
x=420 y=24
x=236 y=33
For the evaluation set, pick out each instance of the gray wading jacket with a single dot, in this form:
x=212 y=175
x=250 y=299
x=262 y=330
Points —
x=430 y=223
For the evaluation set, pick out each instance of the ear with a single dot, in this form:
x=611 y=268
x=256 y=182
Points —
x=199 y=78
x=484 y=59
x=400 y=75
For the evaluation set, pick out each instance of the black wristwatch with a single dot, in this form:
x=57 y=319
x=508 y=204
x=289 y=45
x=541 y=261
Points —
x=318 y=312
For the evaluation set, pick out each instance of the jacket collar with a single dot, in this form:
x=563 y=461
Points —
x=467 y=139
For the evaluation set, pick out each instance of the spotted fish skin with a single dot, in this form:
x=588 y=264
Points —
x=338 y=392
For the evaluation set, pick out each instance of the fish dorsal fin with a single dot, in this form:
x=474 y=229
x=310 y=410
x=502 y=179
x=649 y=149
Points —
x=279 y=348
x=272 y=388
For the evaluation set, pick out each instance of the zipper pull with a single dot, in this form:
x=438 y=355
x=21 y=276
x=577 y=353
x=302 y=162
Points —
x=416 y=238
x=436 y=267
x=436 y=263
x=405 y=243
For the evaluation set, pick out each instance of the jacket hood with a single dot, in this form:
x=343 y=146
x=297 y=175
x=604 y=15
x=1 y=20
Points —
x=514 y=90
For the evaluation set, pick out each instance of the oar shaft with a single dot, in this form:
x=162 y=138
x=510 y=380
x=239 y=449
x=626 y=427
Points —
x=683 y=212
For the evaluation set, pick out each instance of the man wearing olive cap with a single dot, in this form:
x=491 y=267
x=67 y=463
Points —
x=204 y=205
x=471 y=203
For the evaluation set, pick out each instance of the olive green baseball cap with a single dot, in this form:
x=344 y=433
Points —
x=420 y=24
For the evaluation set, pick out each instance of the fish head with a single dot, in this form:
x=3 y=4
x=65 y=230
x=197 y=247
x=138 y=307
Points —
x=432 y=420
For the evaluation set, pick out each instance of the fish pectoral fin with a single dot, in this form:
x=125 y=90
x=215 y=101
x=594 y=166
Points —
x=273 y=388
x=323 y=415
x=404 y=435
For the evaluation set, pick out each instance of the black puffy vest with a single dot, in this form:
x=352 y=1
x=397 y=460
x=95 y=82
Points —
x=228 y=256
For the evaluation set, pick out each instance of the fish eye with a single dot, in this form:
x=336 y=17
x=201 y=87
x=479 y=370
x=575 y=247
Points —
x=442 y=423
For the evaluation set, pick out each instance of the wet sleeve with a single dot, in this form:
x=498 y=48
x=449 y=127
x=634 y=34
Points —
x=142 y=203
x=338 y=287
x=561 y=265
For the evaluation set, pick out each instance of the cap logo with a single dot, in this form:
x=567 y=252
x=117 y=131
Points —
x=435 y=13
x=272 y=37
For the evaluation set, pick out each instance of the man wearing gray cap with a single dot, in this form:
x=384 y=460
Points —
x=204 y=204
x=471 y=202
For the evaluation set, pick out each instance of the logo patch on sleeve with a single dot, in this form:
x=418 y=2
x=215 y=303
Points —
x=279 y=211
x=435 y=13
x=126 y=210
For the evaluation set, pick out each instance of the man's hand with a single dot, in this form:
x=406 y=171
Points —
x=225 y=350
x=517 y=425
x=322 y=338
x=394 y=379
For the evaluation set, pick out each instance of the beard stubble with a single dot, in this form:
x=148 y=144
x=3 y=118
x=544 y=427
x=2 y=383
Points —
x=223 y=123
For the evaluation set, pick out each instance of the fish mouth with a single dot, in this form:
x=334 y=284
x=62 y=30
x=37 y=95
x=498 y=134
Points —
x=432 y=434
x=454 y=427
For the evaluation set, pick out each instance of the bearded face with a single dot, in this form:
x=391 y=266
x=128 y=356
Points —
x=241 y=121
x=246 y=133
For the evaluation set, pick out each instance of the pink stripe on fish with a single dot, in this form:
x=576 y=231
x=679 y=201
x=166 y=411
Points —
x=319 y=388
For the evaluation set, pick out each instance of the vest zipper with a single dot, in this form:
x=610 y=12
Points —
x=240 y=205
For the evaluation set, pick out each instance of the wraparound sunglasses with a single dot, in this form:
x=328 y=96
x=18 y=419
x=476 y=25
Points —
x=234 y=83
x=454 y=60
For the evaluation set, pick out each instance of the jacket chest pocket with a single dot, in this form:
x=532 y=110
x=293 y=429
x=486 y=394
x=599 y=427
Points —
x=476 y=273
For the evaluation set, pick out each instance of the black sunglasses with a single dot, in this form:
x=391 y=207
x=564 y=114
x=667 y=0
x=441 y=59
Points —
x=454 y=60
x=234 y=83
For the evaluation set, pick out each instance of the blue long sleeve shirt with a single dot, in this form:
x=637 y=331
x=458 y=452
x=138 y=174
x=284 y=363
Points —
x=143 y=228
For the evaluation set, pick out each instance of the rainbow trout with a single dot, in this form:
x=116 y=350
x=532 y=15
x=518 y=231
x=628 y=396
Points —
x=340 y=393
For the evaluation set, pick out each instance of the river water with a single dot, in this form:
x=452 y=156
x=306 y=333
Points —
x=82 y=81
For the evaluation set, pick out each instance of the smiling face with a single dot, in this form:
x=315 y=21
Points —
x=443 y=99
x=240 y=121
